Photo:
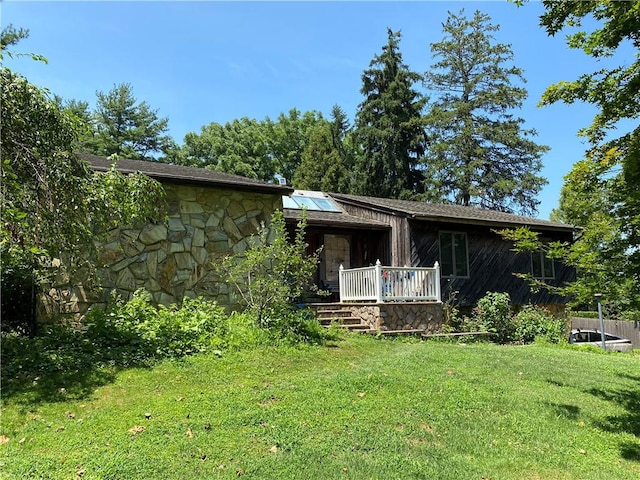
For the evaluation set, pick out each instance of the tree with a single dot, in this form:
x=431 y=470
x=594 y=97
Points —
x=479 y=153
x=52 y=206
x=288 y=137
x=51 y=203
x=273 y=272
x=251 y=148
x=322 y=167
x=612 y=162
x=390 y=126
x=127 y=128
x=240 y=147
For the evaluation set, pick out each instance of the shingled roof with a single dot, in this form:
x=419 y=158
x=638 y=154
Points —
x=449 y=213
x=181 y=174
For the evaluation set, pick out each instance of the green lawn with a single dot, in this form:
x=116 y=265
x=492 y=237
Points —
x=363 y=408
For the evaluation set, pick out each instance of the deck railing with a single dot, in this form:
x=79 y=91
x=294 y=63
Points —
x=390 y=284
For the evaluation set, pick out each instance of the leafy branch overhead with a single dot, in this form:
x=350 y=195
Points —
x=601 y=193
x=52 y=205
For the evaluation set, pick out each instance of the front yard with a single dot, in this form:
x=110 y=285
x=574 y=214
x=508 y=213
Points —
x=362 y=408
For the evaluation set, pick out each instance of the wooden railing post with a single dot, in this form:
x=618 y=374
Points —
x=378 y=281
x=341 y=285
x=436 y=266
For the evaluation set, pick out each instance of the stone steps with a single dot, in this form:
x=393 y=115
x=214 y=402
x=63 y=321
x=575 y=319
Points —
x=329 y=314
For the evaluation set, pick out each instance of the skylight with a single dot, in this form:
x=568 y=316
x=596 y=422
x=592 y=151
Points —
x=317 y=201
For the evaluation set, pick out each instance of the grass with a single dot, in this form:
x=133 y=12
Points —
x=363 y=408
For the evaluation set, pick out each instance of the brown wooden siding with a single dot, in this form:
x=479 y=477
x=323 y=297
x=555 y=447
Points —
x=400 y=249
x=491 y=264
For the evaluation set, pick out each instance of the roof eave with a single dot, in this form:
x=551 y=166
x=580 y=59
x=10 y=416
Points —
x=495 y=223
x=266 y=188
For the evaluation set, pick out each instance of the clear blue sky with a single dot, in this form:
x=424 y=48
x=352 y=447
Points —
x=202 y=62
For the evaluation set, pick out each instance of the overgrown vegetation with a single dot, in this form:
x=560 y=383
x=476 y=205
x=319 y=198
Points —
x=136 y=333
x=494 y=314
x=53 y=207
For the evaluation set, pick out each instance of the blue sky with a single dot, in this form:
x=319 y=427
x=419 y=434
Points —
x=202 y=62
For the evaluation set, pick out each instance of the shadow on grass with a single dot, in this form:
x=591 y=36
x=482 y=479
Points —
x=61 y=365
x=570 y=412
x=627 y=422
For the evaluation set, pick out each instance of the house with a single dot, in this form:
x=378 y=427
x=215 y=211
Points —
x=356 y=231
x=209 y=214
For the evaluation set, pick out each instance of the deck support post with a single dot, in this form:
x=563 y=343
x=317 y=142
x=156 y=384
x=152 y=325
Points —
x=378 y=281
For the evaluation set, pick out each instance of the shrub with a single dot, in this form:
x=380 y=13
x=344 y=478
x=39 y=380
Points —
x=195 y=326
x=493 y=314
x=538 y=323
x=271 y=275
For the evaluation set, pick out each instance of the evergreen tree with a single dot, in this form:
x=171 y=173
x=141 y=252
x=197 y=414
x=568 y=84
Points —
x=322 y=167
x=479 y=153
x=126 y=128
x=390 y=126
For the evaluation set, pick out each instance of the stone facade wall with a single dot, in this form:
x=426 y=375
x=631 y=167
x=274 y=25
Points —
x=176 y=258
x=425 y=316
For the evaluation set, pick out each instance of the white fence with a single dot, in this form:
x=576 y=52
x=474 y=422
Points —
x=390 y=284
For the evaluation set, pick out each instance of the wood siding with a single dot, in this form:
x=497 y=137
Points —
x=399 y=252
x=491 y=264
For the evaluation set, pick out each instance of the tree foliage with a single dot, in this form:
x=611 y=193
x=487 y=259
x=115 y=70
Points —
x=288 y=137
x=601 y=192
x=390 y=126
x=51 y=203
x=123 y=126
x=479 y=153
x=328 y=157
x=240 y=147
x=252 y=148
x=52 y=206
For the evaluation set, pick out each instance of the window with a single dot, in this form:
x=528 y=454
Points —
x=541 y=265
x=310 y=200
x=454 y=261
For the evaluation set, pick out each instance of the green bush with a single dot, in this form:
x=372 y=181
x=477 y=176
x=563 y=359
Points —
x=493 y=314
x=534 y=322
x=195 y=326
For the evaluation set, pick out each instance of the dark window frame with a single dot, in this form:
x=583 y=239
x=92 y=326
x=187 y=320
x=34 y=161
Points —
x=539 y=269
x=451 y=271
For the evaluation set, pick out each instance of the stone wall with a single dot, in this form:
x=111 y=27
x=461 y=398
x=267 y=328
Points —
x=175 y=258
x=426 y=316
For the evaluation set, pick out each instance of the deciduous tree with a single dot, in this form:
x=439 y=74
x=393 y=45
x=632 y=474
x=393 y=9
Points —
x=601 y=194
x=612 y=159
x=240 y=147
x=52 y=205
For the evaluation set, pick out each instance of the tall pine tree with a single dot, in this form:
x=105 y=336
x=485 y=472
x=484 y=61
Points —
x=126 y=128
x=479 y=153
x=390 y=127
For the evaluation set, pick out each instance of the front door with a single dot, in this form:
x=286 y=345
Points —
x=336 y=252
